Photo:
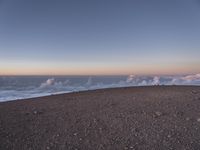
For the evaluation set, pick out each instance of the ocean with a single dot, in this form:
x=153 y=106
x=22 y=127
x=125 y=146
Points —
x=21 y=87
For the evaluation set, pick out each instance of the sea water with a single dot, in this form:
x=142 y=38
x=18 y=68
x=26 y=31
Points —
x=20 y=87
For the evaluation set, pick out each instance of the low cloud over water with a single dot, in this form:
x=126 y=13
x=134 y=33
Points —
x=12 y=88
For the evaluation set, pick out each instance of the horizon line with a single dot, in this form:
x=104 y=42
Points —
x=97 y=74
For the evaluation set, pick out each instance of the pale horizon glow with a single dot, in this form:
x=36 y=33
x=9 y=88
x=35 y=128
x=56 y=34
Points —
x=102 y=69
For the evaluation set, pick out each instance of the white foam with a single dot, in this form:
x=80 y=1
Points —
x=52 y=86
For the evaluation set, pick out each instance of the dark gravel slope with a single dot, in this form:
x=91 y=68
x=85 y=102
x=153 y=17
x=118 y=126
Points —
x=140 y=118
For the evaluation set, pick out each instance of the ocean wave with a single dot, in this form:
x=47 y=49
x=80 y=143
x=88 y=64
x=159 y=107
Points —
x=20 y=88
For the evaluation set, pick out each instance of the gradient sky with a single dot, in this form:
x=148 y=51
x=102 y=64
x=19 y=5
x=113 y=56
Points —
x=99 y=37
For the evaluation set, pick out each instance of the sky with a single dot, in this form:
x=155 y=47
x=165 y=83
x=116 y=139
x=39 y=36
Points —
x=99 y=37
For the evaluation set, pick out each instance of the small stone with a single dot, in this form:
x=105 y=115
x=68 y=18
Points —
x=35 y=112
x=75 y=134
x=135 y=130
x=194 y=92
x=158 y=113
x=101 y=146
x=27 y=113
x=48 y=147
x=179 y=113
x=198 y=119
x=169 y=136
x=187 y=119
x=154 y=141
x=143 y=112
x=51 y=144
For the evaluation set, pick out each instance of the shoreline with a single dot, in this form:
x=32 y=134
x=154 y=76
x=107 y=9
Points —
x=90 y=90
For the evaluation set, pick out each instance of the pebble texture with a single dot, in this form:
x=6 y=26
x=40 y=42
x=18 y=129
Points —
x=137 y=118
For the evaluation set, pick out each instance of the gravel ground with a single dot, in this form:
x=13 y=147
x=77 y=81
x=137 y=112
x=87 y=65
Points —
x=136 y=118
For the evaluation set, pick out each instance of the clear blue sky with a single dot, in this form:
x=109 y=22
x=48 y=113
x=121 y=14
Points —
x=99 y=36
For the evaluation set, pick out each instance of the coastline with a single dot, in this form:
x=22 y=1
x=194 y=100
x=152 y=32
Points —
x=40 y=96
x=151 y=117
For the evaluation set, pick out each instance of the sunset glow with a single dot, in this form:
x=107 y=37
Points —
x=99 y=37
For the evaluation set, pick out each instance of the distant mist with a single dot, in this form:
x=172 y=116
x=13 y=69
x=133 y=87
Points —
x=19 y=87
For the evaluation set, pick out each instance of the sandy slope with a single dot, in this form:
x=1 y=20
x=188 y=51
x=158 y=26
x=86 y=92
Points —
x=156 y=117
